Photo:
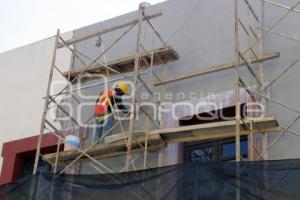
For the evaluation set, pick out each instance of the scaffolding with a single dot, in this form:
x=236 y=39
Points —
x=130 y=142
x=141 y=59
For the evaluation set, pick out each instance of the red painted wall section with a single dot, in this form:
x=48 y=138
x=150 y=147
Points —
x=13 y=153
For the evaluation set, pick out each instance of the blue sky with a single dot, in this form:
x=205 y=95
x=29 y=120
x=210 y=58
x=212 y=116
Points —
x=25 y=21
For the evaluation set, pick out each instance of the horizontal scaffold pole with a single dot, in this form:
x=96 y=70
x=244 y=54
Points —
x=209 y=70
x=107 y=30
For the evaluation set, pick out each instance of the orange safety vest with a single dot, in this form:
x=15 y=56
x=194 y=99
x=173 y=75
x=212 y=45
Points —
x=104 y=102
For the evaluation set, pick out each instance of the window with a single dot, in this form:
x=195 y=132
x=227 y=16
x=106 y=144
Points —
x=228 y=149
x=202 y=154
x=221 y=150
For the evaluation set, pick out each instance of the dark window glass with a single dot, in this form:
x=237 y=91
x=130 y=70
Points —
x=228 y=149
x=202 y=154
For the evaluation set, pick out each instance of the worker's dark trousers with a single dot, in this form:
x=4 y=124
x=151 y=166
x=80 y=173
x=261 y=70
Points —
x=103 y=127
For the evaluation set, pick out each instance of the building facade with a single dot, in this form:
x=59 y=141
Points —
x=202 y=33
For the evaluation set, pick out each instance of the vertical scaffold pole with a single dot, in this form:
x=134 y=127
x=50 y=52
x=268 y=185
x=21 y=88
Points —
x=38 y=149
x=237 y=99
x=237 y=88
x=136 y=71
x=262 y=77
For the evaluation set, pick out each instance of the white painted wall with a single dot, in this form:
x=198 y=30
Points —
x=24 y=76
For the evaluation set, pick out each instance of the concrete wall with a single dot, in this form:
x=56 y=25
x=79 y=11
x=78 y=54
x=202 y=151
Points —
x=24 y=76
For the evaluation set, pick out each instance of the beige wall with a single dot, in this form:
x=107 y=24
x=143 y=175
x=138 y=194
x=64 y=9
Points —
x=24 y=75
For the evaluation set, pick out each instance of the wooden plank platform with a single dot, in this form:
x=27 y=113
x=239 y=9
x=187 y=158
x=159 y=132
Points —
x=116 y=145
x=216 y=130
x=119 y=148
x=126 y=64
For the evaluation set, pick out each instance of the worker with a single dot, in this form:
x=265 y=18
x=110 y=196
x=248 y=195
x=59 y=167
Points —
x=104 y=107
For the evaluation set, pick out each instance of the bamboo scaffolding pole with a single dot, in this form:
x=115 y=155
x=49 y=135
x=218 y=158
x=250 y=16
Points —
x=52 y=126
x=244 y=27
x=250 y=69
x=254 y=54
x=154 y=29
x=251 y=156
x=278 y=137
x=281 y=5
x=57 y=155
x=250 y=8
x=60 y=72
x=213 y=69
x=147 y=120
x=64 y=111
x=281 y=74
x=277 y=102
x=252 y=98
x=96 y=168
x=46 y=104
x=72 y=50
x=242 y=83
x=107 y=30
x=262 y=73
x=146 y=143
x=261 y=48
x=291 y=131
x=253 y=32
x=148 y=89
x=133 y=101
x=185 y=21
x=283 y=35
x=161 y=116
x=237 y=89
x=237 y=99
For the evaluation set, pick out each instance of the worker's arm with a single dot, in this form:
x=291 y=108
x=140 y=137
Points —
x=119 y=103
